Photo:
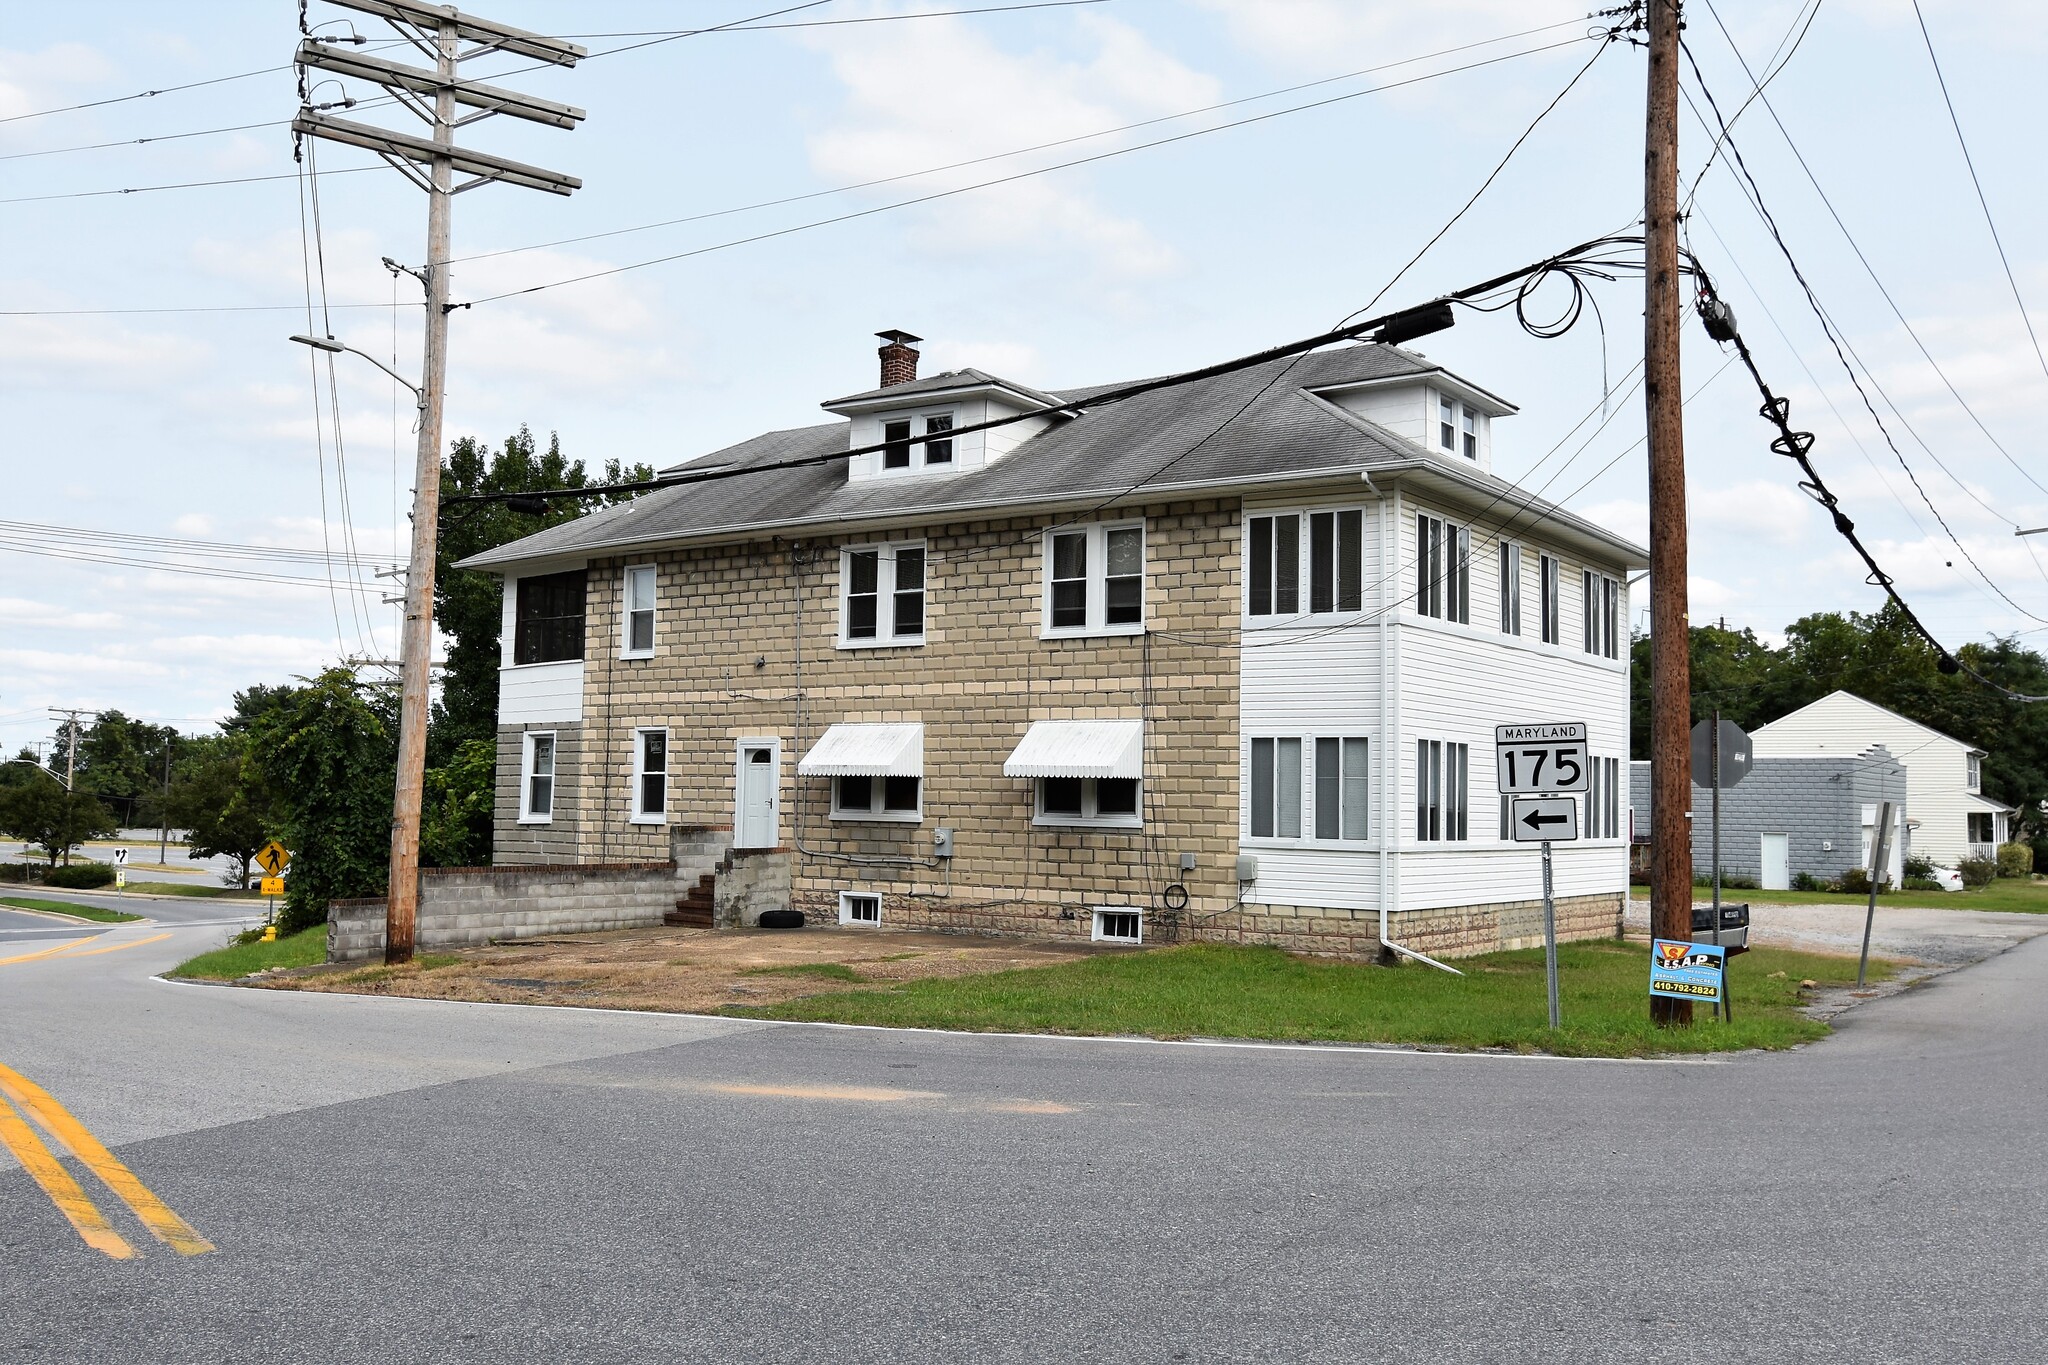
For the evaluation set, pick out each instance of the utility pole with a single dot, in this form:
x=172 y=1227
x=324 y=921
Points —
x=1670 y=633
x=70 y=716
x=438 y=31
x=163 y=829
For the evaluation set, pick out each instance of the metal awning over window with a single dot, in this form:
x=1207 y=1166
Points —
x=1080 y=748
x=867 y=750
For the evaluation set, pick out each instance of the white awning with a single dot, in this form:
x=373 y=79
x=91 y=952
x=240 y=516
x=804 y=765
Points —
x=1079 y=748
x=863 y=750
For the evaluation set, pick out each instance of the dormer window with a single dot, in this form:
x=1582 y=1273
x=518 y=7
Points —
x=900 y=444
x=1457 y=427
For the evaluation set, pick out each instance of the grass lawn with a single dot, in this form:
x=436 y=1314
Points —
x=186 y=889
x=302 y=949
x=1215 y=990
x=2027 y=897
x=91 y=912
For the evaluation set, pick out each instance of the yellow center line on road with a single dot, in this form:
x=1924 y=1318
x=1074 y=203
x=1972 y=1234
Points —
x=165 y=1225
x=71 y=1201
x=117 y=947
x=44 y=952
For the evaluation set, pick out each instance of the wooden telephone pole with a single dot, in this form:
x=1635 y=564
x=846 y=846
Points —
x=438 y=31
x=1670 y=630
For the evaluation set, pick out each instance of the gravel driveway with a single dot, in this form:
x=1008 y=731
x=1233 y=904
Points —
x=1937 y=938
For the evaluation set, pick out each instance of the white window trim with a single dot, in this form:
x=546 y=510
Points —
x=1443 y=837
x=526 y=815
x=875 y=815
x=1973 y=772
x=1041 y=817
x=885 y=636
x=1509 y=588
x=1453 y=535
x=919 y=463
x=1466 y=420
x=845 y=909
x=1312 y=806
x=626 y=650
x=1549 y=599
x=1304 y=567
x=638 y=816
x=1304 y=816
x=1095 y=934
x=1098 y=574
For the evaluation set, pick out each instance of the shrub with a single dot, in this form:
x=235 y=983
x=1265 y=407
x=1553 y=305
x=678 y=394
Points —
x=1977 y=871
x=13 y=872
x=1855 y=882
x=1806 y=881
x=1922 y=884
x=80 y=876
x=2015 y=859
x=1917 y=866
x=1735 y=881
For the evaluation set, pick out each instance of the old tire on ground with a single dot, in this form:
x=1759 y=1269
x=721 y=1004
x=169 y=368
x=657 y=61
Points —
x=782 y=919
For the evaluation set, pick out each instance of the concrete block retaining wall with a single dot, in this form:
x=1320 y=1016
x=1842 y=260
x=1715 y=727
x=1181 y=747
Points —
x=465 y=907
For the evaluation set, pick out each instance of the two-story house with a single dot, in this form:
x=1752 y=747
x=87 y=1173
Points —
x=1952 y=819
x=1220 y=661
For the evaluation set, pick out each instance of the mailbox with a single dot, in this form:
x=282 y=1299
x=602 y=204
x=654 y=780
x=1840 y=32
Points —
x=1734 y=925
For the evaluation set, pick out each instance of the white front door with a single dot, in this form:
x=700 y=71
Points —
x=1777 y=863
x=756 y=781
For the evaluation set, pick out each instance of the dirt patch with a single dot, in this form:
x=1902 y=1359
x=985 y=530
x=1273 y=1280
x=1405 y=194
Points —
x=694 y=971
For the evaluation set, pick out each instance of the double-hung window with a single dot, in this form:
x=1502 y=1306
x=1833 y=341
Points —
x=1457 y=427
x=877 y=798
x=1552 y=634
x=650 y=775
x=537 y=778
x=938 y=439
x=1603 y=614
x=636 y=637
x=1510 y=589
x=1443 y=569
x=1276 y=789
x=1095 y=580
x=1603 y=798
x=1334 y=564
x=547 y=618
x=1440 y=771
x=1976 y=773
x=1343 y=795
x=896 y=443
x=882 y=598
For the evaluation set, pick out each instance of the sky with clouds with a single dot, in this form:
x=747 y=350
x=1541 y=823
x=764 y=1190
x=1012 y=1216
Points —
x=205 y=425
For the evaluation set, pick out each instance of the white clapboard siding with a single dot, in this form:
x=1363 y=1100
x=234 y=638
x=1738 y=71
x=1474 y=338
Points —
x=535 y=693
x=1320 y=878
x=1401 y=408
x=1938 y=796
x=1489 y=872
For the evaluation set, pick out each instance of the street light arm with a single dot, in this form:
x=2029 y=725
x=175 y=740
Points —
x=330 y=344
x=39 y=768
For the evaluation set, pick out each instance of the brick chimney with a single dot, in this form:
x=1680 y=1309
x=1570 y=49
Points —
x=899 y=357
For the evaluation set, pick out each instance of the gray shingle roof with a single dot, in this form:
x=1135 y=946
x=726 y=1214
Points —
x=943 y=382
x=1255 y=425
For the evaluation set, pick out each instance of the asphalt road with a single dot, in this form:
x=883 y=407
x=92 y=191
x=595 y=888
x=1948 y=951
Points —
x=396 y=1181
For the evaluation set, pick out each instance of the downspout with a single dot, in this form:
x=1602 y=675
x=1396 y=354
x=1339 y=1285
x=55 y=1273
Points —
x=1390 y=727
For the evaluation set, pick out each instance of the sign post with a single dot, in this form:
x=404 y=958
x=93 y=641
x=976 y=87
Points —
x=1540 y=761
x=1721 y=749
x=273 y=858
x=1880 y=864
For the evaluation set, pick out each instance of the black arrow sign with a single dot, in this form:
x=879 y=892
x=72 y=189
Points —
x=1536 y=821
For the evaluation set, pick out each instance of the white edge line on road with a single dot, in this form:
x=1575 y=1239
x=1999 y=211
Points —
x=1311 y=1049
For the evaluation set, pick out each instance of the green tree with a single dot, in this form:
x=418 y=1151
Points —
x=221 y=801
x=56 y=821
x=328 y=751
x=468 y=604
x=120 y=760
x=455 y=819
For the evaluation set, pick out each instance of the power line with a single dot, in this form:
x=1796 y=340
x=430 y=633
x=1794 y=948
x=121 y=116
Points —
x=139 y=141
x=1772 y=67
x=745 y=26
x=1978 y=185
x=1754 y=194
x=1016 y=151
x=181 y=185
x=145 y=94
x=1008 y=179
x=128 y=542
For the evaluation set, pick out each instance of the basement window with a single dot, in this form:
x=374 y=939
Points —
x=859 y=907
x=1118 y=926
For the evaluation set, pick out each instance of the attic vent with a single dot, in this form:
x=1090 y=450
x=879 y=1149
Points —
x=899 y=357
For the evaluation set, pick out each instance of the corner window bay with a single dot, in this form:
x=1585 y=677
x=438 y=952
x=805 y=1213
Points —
x=548 y=618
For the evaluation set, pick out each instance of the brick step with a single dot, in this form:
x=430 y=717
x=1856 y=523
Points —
x=693 y=910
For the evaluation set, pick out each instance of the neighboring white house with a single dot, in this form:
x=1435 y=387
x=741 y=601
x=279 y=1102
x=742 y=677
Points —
x=1951 y=817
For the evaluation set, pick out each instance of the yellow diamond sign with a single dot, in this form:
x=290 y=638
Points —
x=274 y=858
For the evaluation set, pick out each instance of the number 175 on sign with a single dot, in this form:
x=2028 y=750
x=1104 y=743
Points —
x=1541 y=758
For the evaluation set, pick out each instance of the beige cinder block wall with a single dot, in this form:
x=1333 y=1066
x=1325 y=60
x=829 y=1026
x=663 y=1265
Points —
x=745 y=648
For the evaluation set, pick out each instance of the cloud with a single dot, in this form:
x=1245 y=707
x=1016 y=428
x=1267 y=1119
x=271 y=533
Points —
x=888 y=125
x=32 y=81
x=21 y=612
x=93 y=355
x=1754 y=510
